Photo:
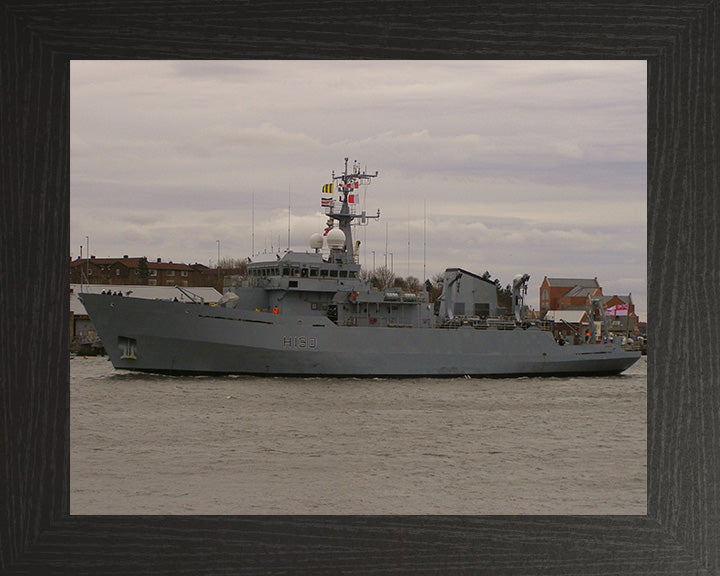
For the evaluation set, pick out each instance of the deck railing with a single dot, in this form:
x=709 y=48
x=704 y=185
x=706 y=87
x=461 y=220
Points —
x=494 y=323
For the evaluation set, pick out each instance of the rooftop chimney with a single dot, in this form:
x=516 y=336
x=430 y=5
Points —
x=159 y=259
x=125 y=255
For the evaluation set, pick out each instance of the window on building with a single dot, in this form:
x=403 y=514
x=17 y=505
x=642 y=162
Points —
x=117 y=271
x=170 y=273
x=153 y=272
x=482 y=309
x=183 y=273
x=152 y=282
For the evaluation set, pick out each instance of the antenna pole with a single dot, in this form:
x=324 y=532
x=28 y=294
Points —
x=408 y=239
x=386 y=243
x=424 y=238
x=288 y=243
x=252 y=250
x=81 y=271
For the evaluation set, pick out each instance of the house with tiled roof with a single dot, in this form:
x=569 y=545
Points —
x=567 y=293
x=620 y=313
x=129 y=271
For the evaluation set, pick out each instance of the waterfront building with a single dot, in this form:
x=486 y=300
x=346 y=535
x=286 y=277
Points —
x=129 y=271
x=567 y=293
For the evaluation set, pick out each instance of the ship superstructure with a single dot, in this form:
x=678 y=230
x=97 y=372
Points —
x=313 y=313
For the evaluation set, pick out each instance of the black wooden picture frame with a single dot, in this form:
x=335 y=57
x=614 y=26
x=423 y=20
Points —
x=680 y=533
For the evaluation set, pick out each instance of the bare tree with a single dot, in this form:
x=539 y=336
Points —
x=237 y=265
x=382 y=278
x=366 y=275
x=413 y=285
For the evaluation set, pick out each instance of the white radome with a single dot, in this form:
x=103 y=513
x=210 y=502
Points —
x=316 y=241
x=336 y=238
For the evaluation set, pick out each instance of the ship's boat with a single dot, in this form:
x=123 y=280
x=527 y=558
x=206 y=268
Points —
x=314 y=313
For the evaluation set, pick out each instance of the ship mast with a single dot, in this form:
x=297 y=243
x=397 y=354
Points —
x=347 y=183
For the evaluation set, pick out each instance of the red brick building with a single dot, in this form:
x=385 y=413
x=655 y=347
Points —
x=620 y=312
x=557 y=294
x=567 y=293
x=127 y=270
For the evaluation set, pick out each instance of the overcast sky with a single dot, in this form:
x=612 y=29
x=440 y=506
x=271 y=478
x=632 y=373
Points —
x=526 y=166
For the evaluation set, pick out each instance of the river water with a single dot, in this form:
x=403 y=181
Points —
x=151 y=444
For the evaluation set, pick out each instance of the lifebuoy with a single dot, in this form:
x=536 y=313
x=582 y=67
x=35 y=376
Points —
x=352 y=296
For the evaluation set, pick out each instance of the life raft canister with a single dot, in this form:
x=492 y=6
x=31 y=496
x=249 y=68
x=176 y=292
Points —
x=352 y=296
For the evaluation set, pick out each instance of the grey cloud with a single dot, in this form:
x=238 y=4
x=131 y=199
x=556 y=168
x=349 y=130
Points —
x=219 y=70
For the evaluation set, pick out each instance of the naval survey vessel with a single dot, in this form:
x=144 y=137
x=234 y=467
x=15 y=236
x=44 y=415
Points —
x=314 y=313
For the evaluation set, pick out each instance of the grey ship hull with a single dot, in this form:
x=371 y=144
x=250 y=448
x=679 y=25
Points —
x=175 y=337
